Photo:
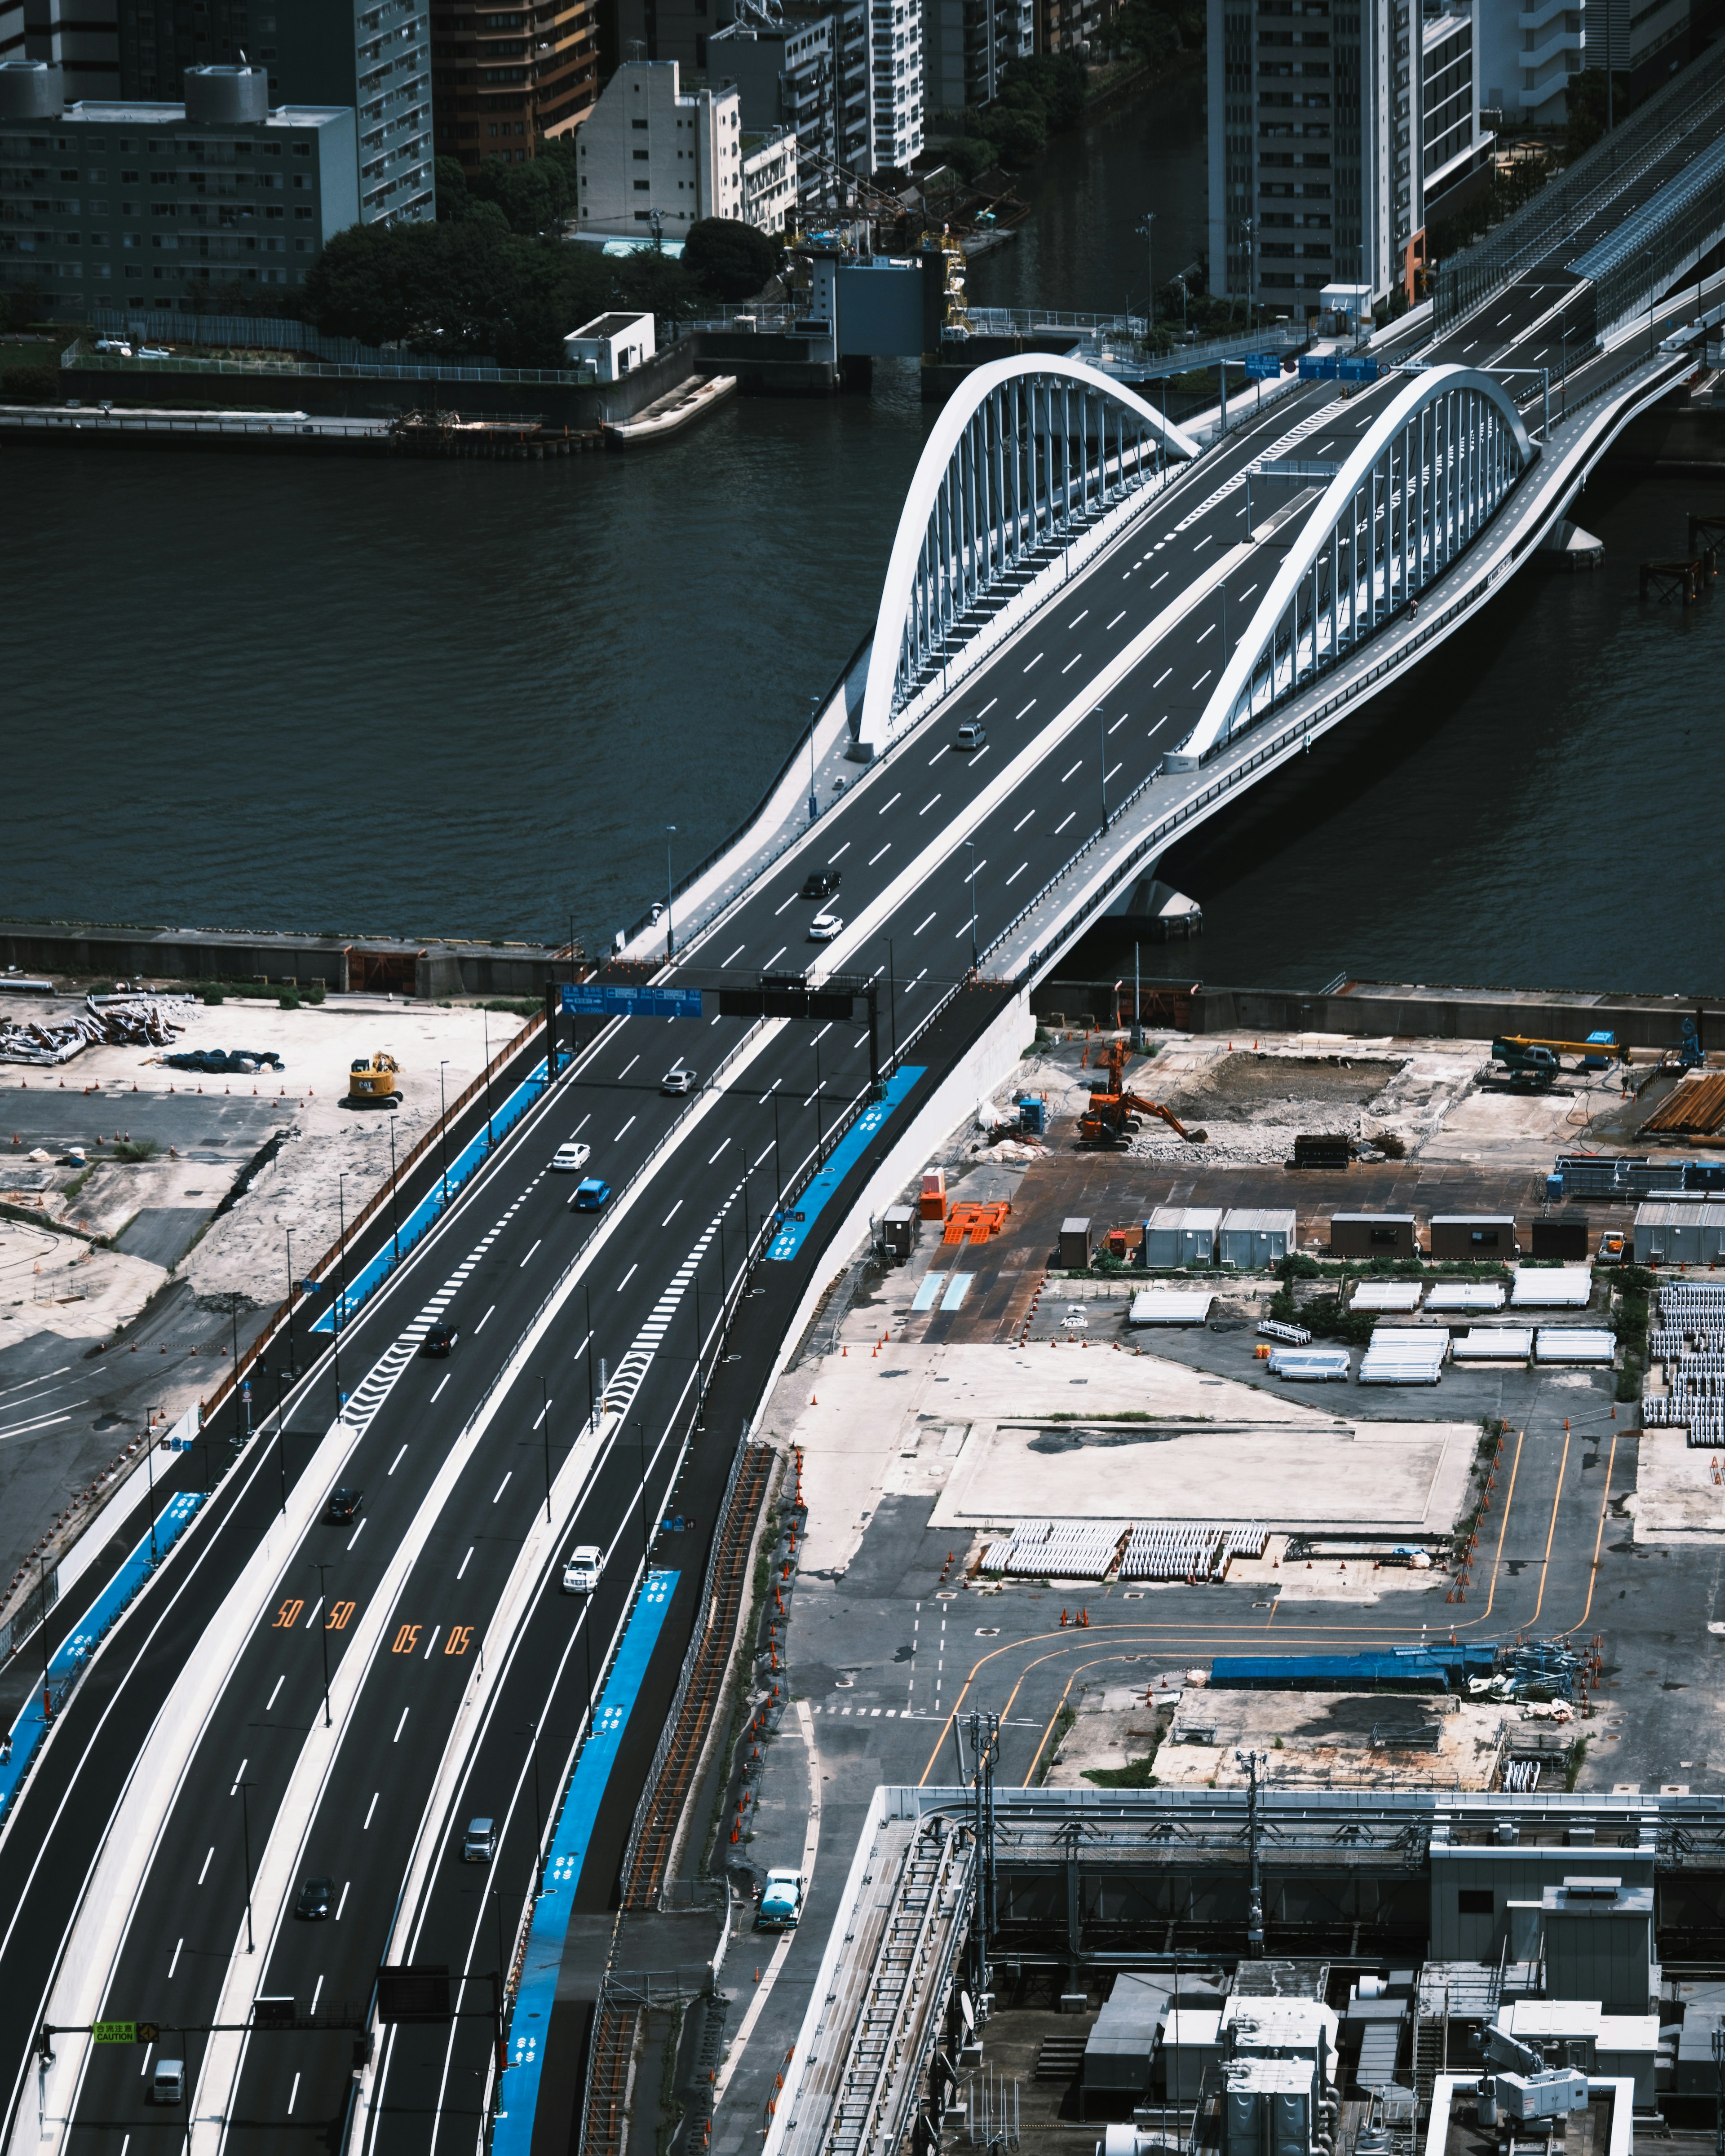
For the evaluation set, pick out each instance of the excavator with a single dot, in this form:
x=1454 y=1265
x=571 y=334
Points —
x=374 y=1082
x=1115 y=1112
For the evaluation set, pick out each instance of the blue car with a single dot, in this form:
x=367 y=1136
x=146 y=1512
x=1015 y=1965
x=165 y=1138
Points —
x=591 y=1196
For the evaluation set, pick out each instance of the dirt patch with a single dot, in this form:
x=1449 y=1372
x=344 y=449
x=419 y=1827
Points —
x=1241 y=1087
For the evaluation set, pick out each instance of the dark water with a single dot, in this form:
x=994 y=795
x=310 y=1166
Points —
x=454 y=699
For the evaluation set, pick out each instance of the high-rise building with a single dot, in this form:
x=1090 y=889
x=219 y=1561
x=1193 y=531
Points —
x=81 y=38
x=966 y=44
x=1314 y=147
x=372 y=54
x=1527 y=50
x=1454 y=152
x=897 y=65
x=503 y=79
x=125 y=203
x=810 y=71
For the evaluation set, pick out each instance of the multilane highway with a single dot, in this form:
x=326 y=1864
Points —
x=150 y=1866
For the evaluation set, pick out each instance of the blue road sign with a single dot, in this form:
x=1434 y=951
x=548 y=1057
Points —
x=593 y=1000
x=1262 y=367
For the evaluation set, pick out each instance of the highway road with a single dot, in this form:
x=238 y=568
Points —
x=448 y=1561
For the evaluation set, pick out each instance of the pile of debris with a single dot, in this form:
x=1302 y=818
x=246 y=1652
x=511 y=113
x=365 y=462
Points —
x=104 y=1022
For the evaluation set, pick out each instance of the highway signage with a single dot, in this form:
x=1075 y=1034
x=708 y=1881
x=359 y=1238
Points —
x=597 y=1000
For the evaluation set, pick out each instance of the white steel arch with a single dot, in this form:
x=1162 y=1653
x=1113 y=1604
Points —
x=1028 y=451
x=1419 y=487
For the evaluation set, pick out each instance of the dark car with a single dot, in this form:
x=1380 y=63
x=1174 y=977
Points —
x=440 y=1339
x=342 y=1506
x=823 y=883
x=314 y=1902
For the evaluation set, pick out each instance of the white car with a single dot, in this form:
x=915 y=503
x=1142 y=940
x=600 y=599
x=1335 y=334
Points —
x=581 y=1568
x=571 y=1158
x=677 y=1080
x=824 y=927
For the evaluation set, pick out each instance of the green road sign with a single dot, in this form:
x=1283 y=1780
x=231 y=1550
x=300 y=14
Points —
x=115 y=2032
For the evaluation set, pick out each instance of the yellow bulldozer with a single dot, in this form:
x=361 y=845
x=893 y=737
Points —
x=375 y=1081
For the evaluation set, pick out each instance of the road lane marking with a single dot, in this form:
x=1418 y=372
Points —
x=920 y=925
x=1073 y=624
x=1066 y=775
x=735 y=955
x=318 y=1605
x=1162 y=579
x=773 y=961
x=665 y=1223
x=982 y=714
x=1017 y=872
x=882 y=810
x=357 y=1533
x=778 y=910
x=623 y=1073
x=400 y=1726
x=882 y=854
x=1119 y=618
x=1022 y=820
x=437 y=1395
x=1061 y=827
x=1202 y=678
x=175 y=1962
x=831 y=858
x=484 y=1322
x=398 y=1459
x=292 y=2093
x=345 y=1884
x=1036 y=661
x=279 y=1682
x=503 y=1485
x=370 y=1809
x=927 y=805
x=240 y=1777
x=628 y=1276
x=432 y=1641
x=522 y=1266
x=938 y=754
x=625 y=1131
x=208 y=1854
x=317 y=1988
x=468 y=1559
x=1030 y=707
x=1119 y=723
x=1162 y=677
x=1071 y=662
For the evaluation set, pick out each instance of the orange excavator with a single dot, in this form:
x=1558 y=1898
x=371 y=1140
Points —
x=1115 y=1112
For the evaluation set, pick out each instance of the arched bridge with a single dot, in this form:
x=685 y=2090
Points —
x=1029 y=454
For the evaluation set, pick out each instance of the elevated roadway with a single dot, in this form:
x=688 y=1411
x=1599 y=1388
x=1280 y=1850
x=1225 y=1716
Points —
x=149 y=1865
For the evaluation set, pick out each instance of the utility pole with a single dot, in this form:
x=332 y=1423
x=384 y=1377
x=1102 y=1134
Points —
x=1137 y=1039
x=985 y=1751
x=394 y=1211
x=1102 y=744
x=281 y=1442
x=670 y=938
x=544 y=1426
x=814 y=797
x=970 y=845
x=245 y=1828
x=341 y=1288
x=1254 y=1763
x=293 y=1363
x=443 y=1127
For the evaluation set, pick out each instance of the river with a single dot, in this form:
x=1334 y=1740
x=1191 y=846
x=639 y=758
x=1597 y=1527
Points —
x=431 y=699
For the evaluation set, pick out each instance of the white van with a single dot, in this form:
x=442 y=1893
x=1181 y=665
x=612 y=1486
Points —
x=167 y=2084
x=581 y=1568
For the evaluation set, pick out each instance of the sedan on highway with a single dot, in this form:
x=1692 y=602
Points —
x=342 y=1506
x=591 y=1196
x=571 y=1158
x=824 y=927
x=314 y=1902
x=440 y=1340
x=677 y=1080
x=822 y=883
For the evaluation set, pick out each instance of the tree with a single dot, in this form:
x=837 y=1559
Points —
x=1018 y=132
x=733 y=260
x=535 y=197
x=453 y=200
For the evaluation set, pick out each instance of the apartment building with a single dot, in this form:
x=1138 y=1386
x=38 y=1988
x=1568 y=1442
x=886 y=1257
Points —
x=128 y=202
x=503 y=76
x=769 y=179
x=812 y=71
x=966 y=44
x=897 y=78
x=651 y=150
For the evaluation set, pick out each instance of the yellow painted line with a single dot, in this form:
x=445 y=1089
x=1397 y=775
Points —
x=1550 y=1534
x=1598 y=1538
x=1509 y=1499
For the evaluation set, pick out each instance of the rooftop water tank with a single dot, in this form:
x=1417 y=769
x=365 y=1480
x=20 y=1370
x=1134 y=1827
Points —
x=226 y=96
x=31 y=90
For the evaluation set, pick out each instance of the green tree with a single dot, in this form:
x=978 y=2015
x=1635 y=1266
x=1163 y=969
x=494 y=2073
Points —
x=1018 y=132
x=453 y=200
x=733 y=260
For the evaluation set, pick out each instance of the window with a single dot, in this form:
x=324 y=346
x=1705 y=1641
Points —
x=641 y=157
x=1485 y=1238
x=1475 y=1902
x=643 y=186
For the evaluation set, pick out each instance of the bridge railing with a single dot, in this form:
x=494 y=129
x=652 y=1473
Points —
x=1616 y=161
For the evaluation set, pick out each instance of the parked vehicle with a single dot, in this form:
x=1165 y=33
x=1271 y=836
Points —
x=781 y=1902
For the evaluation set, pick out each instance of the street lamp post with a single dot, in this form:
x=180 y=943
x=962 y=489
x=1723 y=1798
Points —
x=281 y=1442
x=442 y=1125
x=670 y=940
x=486 y=1025
x=545 y=1424
x=245 y=1829
x=814 y=797
x=394 y=1211
x=1147 y=233
x=293 y=1364
x=323 y=1633
x=970 y=847
x=341 y=1285
x=1102 y=738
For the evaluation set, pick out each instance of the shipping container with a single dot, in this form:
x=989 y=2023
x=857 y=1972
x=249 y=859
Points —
x=1176 y=1235
x=1409 y=1670
x=899 y=1226
x=1374 y=1235
x=1074 y=1244
x=1564 y=1235
x=1253 y=1237
x=1458 y=1236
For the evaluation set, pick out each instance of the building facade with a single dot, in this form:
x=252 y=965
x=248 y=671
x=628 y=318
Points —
x=897 y=80
x=650 y=149
x=133 y=203
x=374 y=55
x=503 y=79
x=769 y=179
x=966 y=44
x=81 y=38
x=812 y=72
x=1526 y=52
x=1453 y=151
x=1314 y=147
